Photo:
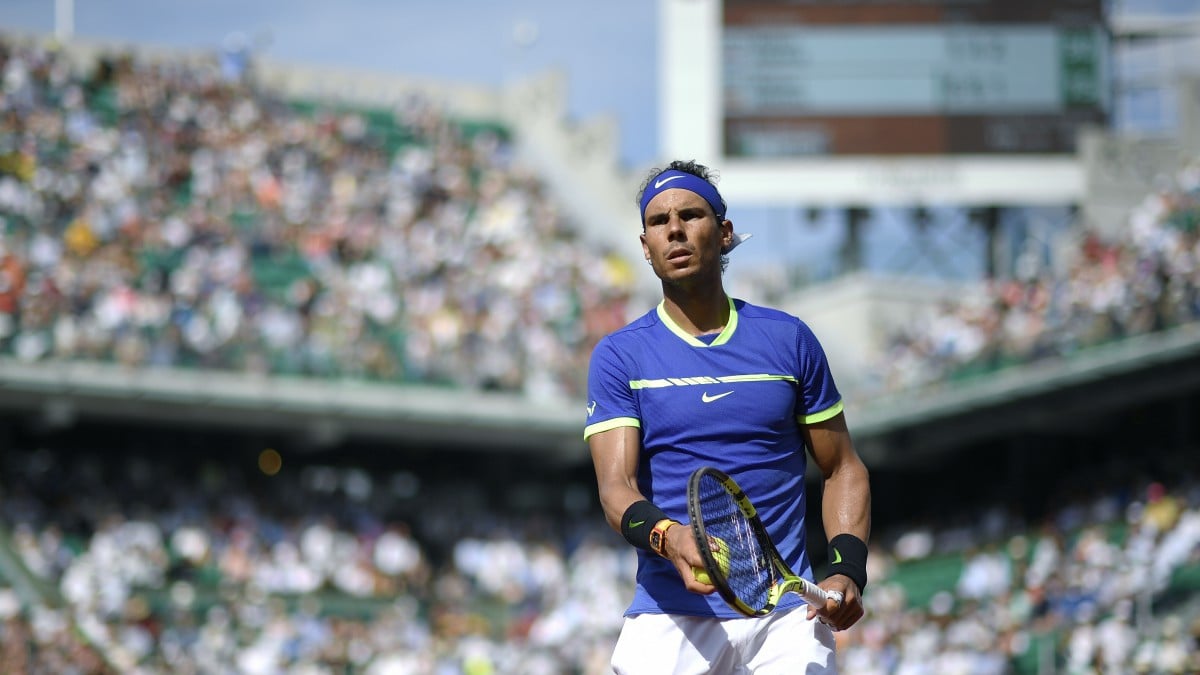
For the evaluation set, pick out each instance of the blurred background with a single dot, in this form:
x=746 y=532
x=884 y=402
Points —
x=296 y=302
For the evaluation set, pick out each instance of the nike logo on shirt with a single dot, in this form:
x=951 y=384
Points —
x=709 y=399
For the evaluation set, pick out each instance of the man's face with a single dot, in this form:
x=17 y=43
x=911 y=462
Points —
x=682 y=238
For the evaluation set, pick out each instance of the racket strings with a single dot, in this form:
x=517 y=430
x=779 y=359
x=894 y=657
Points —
x=751 y=574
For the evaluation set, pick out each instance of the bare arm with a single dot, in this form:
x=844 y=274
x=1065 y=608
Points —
x=845 y=503
x=615 y=457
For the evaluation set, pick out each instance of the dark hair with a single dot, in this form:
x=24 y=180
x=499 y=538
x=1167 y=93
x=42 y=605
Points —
x=687 y=166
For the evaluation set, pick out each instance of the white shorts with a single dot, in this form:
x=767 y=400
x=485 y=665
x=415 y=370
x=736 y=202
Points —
x=655 y=644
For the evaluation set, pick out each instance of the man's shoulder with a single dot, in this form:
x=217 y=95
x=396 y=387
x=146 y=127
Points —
x=774 y=319
x=752 y=311
x=647 y=320
x=632 y=338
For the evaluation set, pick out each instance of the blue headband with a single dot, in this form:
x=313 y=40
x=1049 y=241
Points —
x=673 y=178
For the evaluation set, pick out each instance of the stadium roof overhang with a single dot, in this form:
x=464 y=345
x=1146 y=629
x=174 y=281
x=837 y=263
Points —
x=315 y=413
x=1045 y=397
x=1086 y=394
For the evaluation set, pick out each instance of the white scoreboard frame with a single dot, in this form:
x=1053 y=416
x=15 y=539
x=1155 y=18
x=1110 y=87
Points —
x=689 y=103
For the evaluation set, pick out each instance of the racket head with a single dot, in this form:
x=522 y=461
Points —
x=749 y=581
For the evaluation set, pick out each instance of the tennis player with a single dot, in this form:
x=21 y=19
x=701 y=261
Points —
x=707 y=380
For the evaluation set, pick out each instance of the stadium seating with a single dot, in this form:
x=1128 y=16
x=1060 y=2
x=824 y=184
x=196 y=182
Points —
x=1100 y=290
x=157 y=215
x=444 y=261
x=143 y=564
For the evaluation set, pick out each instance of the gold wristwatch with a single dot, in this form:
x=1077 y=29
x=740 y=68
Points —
x=658 y=536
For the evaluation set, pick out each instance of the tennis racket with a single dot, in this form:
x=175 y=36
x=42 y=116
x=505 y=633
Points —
x=746 y=568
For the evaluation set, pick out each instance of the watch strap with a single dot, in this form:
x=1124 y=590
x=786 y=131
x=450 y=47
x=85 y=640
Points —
x=658 y=536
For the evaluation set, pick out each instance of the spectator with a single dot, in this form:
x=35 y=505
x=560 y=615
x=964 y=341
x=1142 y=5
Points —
x=165 y=214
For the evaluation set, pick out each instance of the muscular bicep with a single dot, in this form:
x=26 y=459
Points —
x=829 y=444
x=846 y=502
x=615 y=457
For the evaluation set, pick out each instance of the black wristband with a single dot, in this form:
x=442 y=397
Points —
x=638 y=521
x=848 y=556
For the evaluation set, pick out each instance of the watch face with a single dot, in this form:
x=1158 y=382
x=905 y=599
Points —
x=656 y=536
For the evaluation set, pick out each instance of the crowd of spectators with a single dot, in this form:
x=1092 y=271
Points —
x=172 y=213
x=1102 y=288
x=201 y=566
x=154 y=564
x=1084 y=589
x=177 y=213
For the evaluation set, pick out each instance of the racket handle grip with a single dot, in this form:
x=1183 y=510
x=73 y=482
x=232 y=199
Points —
x=813 y=594
x=816 y=596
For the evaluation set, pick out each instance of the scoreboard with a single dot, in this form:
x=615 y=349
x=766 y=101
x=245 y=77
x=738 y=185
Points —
x=830 y=77
x=885 y=101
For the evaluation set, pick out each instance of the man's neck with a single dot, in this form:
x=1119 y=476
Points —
x=697 y=311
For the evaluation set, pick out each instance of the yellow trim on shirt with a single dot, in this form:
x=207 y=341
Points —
x=704 y=380
x=614 y=423
x=722 y=337
x=828 y=413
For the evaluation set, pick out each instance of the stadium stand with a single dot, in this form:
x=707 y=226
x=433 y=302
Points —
x=156 y=214
x=208 y=559
x=199 y=561
x=1101 y=289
